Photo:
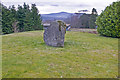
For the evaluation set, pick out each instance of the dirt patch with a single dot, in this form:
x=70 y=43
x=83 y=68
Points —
x=93 y=31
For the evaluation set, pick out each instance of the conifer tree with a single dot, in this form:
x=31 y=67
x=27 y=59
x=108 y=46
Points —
x=20 y=18
x=94 y=11
x=0 y=18
x=36 y=18
x=92 y=20
x=27 y=20
x=13 y=18
x=6 y=21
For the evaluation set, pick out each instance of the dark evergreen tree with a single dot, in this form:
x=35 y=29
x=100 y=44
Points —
x=6 y=21
x=94 y=11
x=13 y=15
x=20 y=18
x=0 y=18
x=28 y=19
x=92 y=20
x=36 y=18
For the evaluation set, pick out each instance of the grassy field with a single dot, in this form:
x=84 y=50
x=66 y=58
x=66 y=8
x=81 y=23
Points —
x=84 y=55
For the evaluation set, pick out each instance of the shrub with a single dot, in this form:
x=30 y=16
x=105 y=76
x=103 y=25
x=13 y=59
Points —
x=108 y=21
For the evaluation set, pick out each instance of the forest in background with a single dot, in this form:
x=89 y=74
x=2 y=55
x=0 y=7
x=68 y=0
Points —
x=83 y=20
x=21 y=19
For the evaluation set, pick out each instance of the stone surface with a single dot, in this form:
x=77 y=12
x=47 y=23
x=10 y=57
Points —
x=54 y=35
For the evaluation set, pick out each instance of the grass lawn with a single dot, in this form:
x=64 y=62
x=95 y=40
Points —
x=85 y=55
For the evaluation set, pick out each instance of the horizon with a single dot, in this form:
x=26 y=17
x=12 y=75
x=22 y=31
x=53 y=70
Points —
x=51 y=6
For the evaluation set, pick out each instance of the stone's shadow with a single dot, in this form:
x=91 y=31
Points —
x=66 y=44
x=44 y=44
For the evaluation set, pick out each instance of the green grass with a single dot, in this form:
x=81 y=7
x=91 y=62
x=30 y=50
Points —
x=84 y=55
x=0 y=56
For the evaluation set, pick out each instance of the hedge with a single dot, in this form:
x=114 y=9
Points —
x=108 y=21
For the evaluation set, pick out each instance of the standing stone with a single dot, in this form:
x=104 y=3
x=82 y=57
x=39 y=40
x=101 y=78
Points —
x=54 y=34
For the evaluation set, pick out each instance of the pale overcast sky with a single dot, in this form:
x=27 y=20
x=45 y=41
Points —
x=53 y=6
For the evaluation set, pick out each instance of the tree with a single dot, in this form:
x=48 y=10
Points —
x=36 y=18
x=13 y=18
x=27 y=19
x=94 y=11
x=109 y=21
x=20 y=18
x=0 y=18
x=93 y=17
x=84 y=21
x=92 y=20
x=6 y=21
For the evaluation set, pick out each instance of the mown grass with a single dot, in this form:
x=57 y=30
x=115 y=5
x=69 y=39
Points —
x=84 y=55
x=0 y=56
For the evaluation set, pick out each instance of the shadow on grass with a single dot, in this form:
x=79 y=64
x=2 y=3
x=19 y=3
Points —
x=66 y=44
x=109 y=36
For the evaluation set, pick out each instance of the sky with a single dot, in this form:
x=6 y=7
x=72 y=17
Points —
x=54 y=6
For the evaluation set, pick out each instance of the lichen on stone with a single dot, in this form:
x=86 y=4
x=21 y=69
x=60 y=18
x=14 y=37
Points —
x=62 y=24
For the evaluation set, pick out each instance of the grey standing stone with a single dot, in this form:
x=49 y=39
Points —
x=54 y=35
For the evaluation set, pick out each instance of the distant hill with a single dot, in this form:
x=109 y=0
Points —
x=56 y=16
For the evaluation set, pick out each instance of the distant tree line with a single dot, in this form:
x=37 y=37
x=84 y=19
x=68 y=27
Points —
x=83 y=20
x=87 y=21
x=21 y=19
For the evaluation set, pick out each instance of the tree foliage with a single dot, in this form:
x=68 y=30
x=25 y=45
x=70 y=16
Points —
x=36 y=18
x=94 y=11
x=21 y=19
x=109 y=21
x=84 y=20
x=0 y=18
x=92 y=20
x=6 y=21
